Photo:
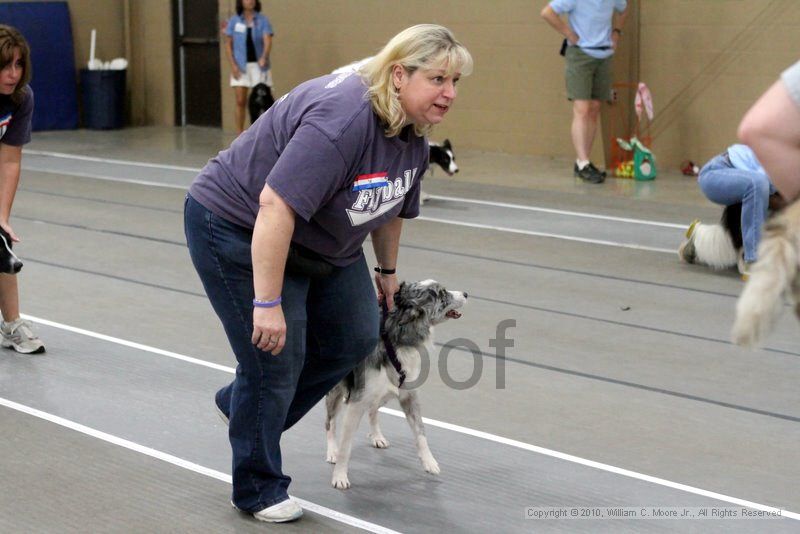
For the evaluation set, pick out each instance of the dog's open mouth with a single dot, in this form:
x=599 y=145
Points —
x=453 y=314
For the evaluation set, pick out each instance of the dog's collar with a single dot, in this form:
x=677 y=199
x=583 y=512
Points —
x=387 y=344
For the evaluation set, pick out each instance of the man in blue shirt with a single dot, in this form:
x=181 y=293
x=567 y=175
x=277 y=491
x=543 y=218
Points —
x=592 y=34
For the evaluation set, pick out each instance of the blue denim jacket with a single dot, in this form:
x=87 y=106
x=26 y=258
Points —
x=237 y=28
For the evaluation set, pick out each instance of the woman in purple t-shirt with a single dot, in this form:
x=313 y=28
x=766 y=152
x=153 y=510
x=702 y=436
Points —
x=16 y=110
x=336 y=160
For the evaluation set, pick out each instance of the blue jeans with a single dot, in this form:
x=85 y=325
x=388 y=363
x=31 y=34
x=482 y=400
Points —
x=332 y=324
x=724 y=184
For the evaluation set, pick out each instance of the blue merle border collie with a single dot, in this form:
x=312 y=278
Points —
x=387 y=373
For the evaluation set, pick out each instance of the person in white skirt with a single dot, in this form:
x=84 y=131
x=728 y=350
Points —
x=248 y=41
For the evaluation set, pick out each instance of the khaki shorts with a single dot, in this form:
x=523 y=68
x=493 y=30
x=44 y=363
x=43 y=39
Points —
x=588 y=78
x=252 y=77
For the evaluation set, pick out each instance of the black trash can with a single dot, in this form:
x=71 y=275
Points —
x=103 y=99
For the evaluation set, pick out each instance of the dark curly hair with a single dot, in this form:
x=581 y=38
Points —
x=12 y=40
x=240 y=7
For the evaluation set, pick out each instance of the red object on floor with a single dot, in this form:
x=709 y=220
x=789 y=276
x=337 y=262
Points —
x=689 y=168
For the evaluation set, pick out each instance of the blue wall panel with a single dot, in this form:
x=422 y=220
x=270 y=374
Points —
x=47 y=28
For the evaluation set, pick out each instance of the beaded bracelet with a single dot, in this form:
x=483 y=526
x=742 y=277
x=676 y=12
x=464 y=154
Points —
x=385 y=271
x=266 y=303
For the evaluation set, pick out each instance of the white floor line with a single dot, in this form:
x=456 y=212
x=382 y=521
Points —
x=185 y=464
x=438 y=197
x=131 y=344
x=29 y=167
x=456 y=428
x=598 y=465
x=546 y=234
x=558 y=212
x=432 y=219
x=108 y=160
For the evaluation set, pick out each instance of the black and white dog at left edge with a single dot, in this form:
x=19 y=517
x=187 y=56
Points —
x=9 y=262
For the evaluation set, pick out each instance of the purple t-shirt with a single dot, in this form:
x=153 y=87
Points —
x=323 y=150
x=15 y=119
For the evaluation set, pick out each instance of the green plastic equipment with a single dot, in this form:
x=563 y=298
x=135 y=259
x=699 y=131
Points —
x=644 y=162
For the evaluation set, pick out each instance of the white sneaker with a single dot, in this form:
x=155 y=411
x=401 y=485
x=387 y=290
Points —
x=19 y=336
x=282 y=512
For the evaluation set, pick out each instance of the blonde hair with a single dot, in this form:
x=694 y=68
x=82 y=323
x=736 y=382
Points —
x=422 y=46
x=10 y=40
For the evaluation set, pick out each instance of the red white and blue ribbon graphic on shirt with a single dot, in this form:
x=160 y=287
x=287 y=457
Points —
x=370 y=181
x=4 y=122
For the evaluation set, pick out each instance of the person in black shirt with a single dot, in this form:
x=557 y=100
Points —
x=16 y=111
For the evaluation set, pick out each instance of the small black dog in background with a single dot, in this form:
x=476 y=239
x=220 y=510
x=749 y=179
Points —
x=443 y=155
x=260 y=101
x=9 y=262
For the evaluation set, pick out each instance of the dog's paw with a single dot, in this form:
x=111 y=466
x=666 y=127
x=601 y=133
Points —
x=745 y=335
x=330 y=457
x=340 y=481
x=431 y=466
x=379 y=441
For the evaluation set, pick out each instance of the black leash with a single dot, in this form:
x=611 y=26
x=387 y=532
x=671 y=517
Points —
x=387 y=344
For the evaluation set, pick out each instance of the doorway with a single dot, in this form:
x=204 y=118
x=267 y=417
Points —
x=196 y=32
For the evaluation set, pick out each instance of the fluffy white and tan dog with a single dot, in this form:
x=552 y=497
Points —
x=773 y=275
x=396 y=362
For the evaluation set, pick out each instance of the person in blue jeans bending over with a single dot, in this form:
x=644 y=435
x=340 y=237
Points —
x=275 y=226
x=733 y=177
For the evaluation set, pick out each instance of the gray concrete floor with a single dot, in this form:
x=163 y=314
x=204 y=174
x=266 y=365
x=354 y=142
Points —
x=620 y=356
